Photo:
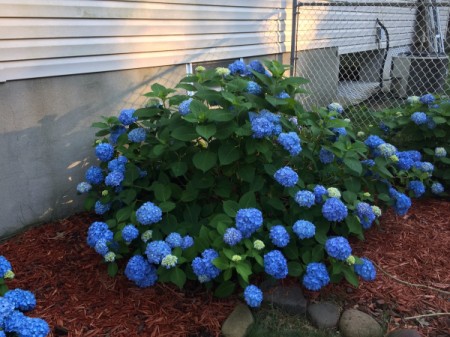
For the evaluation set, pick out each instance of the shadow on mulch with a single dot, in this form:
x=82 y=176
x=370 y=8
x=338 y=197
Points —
x=77 y=298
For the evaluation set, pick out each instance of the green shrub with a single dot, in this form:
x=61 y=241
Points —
x=216 y=187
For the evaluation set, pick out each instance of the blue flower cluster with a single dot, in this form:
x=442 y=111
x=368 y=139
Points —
x=141 y=272
x=126 y=116
x=116 y=132
x=290 y=142
x=255 y=65
x=137 y=135
x=22 y=300
x=286 y=176
x=366 y=270
x=156 y=251
x=368 y=162
x=98 y=230
x=440 y=152
x=387 y=150
x=104 y=151
x=316 y=276
x=424 y=166
x=275 y=264
x=232 y=236
x=248 y=221
x=203 y=266
x=437 y=188
x=419 y=118
x=334 y=210
x=373 y=141
x=253 y=296
x=174 y=240
x=283 y=95
x=338 y=247
x=5 y=267
x=188 y=242
x=304 y=229
x=339 y=132
x=335 y=107
x=94 y=175
x=365 y=214
x=129 y=233
x=305 y=198
x=325 y=156
x=319 y=192
x=417 y=187
x=407 y=159
x=25 y=326
x=84 y=187
x=101 y=208
x=185 y=107
x=117 y=164
x=238 y=68
x=253 y=88
x=427 y=99
x=148 y=214
x=279 y=236
x=265 y=124
x=402 y=202
x=114 y=178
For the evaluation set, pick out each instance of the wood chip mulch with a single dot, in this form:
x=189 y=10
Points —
x=77 y=297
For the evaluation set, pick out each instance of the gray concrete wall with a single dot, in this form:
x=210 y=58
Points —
x=46 y=139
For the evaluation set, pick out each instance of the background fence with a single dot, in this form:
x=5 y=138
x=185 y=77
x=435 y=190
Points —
x=369 y=55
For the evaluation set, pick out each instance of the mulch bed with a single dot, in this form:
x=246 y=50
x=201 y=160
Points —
x=77 y=297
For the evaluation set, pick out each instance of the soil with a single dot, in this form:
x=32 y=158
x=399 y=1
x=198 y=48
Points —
x=77 y=298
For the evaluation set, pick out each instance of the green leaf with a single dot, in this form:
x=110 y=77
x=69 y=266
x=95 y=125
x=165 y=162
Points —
x=295 y=268
x=3 y=289
x=354 y=165
x=351 y=277
x=248 y=200
x=384 y=197
x=246 y=173
x=146 y=112
x=158 y=149
x=244 y=270
x=381 y=166
x=291 y=251
x=353 y=224
x=230 y=207
x=198 y=108
x=349 y=197
x=184 y=133
x=112 y=269
x=167 y=206
x=225 y=289
x=220 y=115
x=204 y=160
x=439 y=120
x=100 y=125
x=178 y=168
x=276 y=101
x=128 y=196
x=89 y=203
x=352 y=184
x=123 y=214
x=162 y=191
x=221 y=262
x=206 y=131
x=177 y=277
x=228 y=154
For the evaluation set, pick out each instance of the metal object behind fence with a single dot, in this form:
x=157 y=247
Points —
x=370 y=55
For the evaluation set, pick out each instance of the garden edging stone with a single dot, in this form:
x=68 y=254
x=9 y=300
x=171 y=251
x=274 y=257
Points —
x=289 y=299
x=355 y=323
x=324 y=315
x=239 y=322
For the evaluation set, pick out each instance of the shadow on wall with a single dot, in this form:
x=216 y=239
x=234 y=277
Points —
x=46 y=139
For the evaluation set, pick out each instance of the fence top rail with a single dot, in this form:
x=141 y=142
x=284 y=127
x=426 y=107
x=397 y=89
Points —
x=369 y=3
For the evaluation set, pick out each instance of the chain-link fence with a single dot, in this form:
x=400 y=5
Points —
x=369 y=55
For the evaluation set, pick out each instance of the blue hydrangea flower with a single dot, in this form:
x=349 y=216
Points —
x=406 y=159
x=368 y=162
x=338 y=247
x=419 y=118
x=253 y=88
x=283 y=95
x=384 y=128
x=203 y=266
x=84 y=187
x=286 y=176
x=373 y=141
x=290 y=142
x=424 y=166
x=257 y=66
x=335 y=107
x=319 y=192
x=417 y=187
x=6 y=309
x=185 y=107
x=126 y=117
x=98 y=230
x=279 y=236
x=148 y=214
x=440 y=152
x=169 y=261
x=339 y=131
x=437 y=188
x=116 y=132
x=365 y=214
x=334 y=210
x=316 y=276
x=427 y=99
x=188 y=242
x=117 y=164
x=101 y=208
x=387 y=150
x=174 y=240
x=101 y=246
x=114 y=178
x=137 y=268
x=156 y=250
x=104 y=151
x=94 y=175
x=232 y=236
x=402 y=202
x=129 y=233
x=149 y=279
x=366 y=270
x=14 y=321
x=325 y=156
x=33 y=327
x=264 y=124
x=275 y=264
x=305 y=198
x=431 y=124
x=253 y=296
x=248 y=221
x=137 y=135
x=238 y=68
x=304 y=229
x=5 y=266
x=23 y=300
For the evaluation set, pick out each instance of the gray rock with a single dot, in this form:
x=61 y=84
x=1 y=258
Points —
x=238 y=323
x=324 y=315
x=354 y=323
x=289 y=299
x=403 y=333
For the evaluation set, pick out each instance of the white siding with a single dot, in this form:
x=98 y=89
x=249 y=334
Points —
x=61 y=37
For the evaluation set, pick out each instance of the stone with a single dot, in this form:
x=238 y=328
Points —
x=289 y=299
x=238 y=323
x=354 y=323
x=324 y=315
x=403 y=333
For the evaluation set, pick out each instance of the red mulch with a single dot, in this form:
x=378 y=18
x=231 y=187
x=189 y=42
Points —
x=77 y=297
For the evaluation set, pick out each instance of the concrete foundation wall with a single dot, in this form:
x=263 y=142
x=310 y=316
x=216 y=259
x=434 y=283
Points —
x=46 y=139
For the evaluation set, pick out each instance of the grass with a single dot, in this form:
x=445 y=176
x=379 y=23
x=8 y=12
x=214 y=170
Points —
x=270 y=321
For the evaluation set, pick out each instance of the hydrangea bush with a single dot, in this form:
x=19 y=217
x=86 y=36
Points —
x=423 y=123
x=13 y=322
x=235 y=180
